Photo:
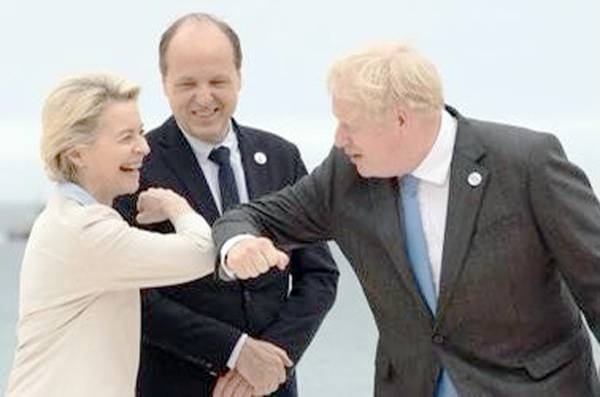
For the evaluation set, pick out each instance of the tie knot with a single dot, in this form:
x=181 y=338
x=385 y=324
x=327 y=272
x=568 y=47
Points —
x=409 y=185
x=219 y=155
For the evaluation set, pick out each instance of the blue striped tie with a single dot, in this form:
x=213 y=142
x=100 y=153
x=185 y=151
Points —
x=418 y=256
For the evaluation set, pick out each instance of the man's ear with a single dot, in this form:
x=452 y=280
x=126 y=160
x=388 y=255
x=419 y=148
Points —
x=403 y=119
x=239 y=73
x=163 y=80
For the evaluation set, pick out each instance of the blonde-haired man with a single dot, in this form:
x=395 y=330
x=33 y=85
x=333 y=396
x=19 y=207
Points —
x=476 y=243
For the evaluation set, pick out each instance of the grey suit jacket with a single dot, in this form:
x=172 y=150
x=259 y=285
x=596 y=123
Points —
x=521 y=258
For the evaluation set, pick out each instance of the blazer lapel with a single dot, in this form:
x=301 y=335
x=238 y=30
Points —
x=180 y=158
x=258 y=182
x=468 y=180
x=388 y=223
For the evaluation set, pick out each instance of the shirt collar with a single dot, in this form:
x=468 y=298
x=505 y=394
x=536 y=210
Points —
x=435 y=167
x=203 y=148
x=75 y=192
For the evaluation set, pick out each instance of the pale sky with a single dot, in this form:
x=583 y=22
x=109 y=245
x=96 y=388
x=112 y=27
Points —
x=522 y=62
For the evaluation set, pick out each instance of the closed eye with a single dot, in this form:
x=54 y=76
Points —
x=127 y=136
x=185 y=84
x=130 y=134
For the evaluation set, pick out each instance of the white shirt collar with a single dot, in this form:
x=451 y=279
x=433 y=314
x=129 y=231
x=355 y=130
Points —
x=203 y=148
x=75 y=192
x=435 y=167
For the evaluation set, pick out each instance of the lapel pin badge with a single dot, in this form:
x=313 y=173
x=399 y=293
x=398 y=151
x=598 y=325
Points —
x=474 y=179
x=260 y=158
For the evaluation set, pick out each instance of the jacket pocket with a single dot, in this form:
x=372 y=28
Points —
x=543 y=363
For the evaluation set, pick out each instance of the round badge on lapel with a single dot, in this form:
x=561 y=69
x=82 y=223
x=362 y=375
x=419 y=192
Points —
x=474 y=179
x=260 y=158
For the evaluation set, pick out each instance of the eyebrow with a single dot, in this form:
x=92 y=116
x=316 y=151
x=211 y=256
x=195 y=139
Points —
x=183 y=79
x=129 y=130
x=186 y=79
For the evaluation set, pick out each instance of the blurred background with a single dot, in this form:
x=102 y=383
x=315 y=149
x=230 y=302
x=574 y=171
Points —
x=530 y=63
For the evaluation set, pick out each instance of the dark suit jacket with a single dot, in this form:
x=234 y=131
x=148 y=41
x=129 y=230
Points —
x=189 y=330
x=521 y=257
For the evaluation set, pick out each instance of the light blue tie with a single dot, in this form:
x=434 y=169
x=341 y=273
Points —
x=418 y=256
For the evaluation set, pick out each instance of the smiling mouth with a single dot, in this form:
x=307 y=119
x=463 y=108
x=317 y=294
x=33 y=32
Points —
x=205 y=113
x=130 y=168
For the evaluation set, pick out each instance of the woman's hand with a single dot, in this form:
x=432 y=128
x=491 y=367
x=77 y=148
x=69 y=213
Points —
x=157 y=205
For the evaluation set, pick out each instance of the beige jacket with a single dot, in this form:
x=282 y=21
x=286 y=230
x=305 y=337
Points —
x=78 y=331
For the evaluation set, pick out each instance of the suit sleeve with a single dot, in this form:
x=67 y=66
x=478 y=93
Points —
x=295 y=216
x=173 y=327
x=314 y=284
x=568 y=215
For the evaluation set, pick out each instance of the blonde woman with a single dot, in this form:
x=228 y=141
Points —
x=79 y=312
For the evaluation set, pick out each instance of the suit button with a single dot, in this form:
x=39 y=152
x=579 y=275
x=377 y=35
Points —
x=438 y=339
x=247 y=296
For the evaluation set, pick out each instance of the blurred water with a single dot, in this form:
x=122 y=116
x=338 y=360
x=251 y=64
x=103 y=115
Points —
x=10 y=260
x=341 y=358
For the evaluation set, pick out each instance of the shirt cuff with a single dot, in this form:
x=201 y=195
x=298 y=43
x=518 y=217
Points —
x=224 y=272
x=235 y=354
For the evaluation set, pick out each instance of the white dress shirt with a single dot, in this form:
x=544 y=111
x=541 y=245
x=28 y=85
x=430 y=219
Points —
x=434 y=181
x=210 y=169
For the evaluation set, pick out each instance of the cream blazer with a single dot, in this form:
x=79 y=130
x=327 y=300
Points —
x=78 y=332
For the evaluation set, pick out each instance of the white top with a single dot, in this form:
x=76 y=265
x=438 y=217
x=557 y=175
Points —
x=434 y=181
x=78 y=332
x=210 y=169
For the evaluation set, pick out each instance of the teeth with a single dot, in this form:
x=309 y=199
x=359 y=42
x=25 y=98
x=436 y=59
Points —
x=204 y=112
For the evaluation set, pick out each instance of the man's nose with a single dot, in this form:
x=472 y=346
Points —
x=203 y=94
x=142 y=146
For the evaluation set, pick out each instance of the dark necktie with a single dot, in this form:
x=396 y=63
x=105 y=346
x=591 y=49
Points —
x=227 y=186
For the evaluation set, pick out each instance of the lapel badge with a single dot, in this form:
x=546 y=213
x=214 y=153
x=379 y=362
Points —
x=474 y=179
x=260 y=158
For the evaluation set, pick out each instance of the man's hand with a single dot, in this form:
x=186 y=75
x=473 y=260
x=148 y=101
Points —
x=232 y=384
x=263 y=365
x=253 y=256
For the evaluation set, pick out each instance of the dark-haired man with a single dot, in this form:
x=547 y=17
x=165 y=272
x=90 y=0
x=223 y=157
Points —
x=238 y=336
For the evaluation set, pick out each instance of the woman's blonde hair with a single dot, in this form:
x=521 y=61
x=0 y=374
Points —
x=387 y=75
x=70 y=117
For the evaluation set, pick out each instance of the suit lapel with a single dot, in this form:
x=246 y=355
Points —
x=388 y=221
x=258 y=182
x=464 y=202
x=180 y=158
